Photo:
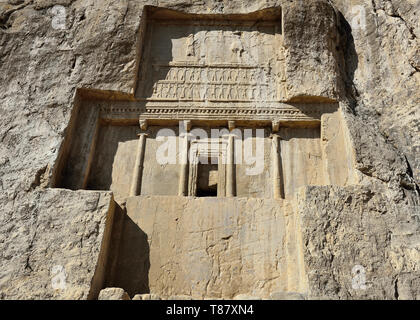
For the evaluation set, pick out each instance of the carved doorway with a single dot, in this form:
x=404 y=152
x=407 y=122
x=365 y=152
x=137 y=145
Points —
x=207 y=168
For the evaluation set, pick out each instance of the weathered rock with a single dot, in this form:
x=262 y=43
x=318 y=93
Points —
x=383 y=68
x=146 y=296
x=286 y=296
x=359 y=244
x=371 y=65
x=245 y=297
x=50 y=244
x=407 y=286
x=113 y=294
x=209 y=247
x=180 y=297
x=313 y=66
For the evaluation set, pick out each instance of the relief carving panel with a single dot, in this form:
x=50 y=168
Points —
x=207 y=61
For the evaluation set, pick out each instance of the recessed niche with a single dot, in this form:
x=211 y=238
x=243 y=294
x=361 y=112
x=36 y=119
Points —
x=214 y=72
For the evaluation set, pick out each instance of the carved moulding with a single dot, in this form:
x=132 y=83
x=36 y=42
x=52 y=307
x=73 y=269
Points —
x=158 y=112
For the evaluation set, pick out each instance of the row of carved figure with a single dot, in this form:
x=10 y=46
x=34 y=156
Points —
x=213 y=75
x=213 y=92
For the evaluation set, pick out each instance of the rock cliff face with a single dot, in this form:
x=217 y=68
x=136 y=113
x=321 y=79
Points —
x=53 y=244
x=360 y=241
x=355 y=230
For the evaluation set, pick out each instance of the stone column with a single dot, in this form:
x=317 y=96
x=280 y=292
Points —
x=184 y=149
x=183 y=174
x=276 y=166
x=135 y=189
x=230 y=167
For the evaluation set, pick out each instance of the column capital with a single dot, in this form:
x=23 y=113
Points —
x=186 y=134
x=187 y=125
x=231 y=125
x=275 y=125
x=143 y=124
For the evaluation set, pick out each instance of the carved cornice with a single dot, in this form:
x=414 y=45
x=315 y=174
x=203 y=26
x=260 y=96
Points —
x=218 y=111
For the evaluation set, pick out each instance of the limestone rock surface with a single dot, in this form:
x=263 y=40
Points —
x=286 y=296
x=208 y=247
x=359 y=244
x=50 y=244
x=49 y=52
x=113 y=294
x=146 y=296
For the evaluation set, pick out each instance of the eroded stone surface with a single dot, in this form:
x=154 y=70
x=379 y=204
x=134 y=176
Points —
x=286 y=296
x=377 y=57
x=146 y=296
x=359 y=244
x=246 y=297
x=113 y=294
x=50 y=244
x=208 y=247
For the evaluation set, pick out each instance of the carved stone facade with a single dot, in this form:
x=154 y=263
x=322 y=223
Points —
x=211 y=101
x=212 y=60
x=86 y=205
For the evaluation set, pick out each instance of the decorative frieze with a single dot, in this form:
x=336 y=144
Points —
x=216 y=111
x=214 y=83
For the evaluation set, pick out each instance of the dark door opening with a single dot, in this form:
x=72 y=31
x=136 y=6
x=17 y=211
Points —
x=207 y=179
